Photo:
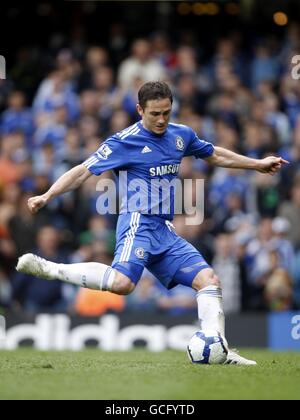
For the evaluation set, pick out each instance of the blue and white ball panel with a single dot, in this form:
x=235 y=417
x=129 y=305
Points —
x=207 y=347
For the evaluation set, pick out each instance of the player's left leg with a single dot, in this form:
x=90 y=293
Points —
x=209 y=299
x=183 y=264
x=210 y=309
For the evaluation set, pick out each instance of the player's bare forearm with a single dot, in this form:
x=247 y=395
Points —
x=68 y=182
x=228 y=159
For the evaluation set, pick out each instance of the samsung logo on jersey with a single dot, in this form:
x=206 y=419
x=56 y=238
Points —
x=164 y=170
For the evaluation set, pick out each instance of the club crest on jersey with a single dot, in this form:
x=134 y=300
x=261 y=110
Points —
x=140 y=253
x=179 y=143
x=104 y=152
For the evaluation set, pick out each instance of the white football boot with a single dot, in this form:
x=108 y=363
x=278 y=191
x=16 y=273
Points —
x=36 y=266
x=233 y=358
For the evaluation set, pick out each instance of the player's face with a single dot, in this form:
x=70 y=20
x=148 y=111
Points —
x=156 y=115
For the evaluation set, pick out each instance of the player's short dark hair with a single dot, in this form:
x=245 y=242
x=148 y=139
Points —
x=154 y=90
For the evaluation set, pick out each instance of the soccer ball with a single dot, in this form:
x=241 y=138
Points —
x=207 y=347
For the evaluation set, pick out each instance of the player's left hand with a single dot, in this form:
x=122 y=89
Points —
x=271 y=165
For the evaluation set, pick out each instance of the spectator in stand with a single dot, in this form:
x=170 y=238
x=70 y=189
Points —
x=55 y=91
x=129 y=96
x=6 y=87
x=94 y=303
x=226 y=61
x=286 y=254
x=72 y=151
x=23 y=226
x=258 y=262
x=107 y=92
x=278 y=291
x=96 y=57
x=187 y=92
x=265 y=195
x=277 y=119
x=296 y=278
x=12 y=148
x=8 y=208
x=226 y=266
x=265 y=65
x=28 y=292
x=89 y=103
x=146 y=296
x=290 y=210
x=290 y=91
x=224 y=183
x=89 y=128
x=162 y=51
x=17 y=117
x=5 y=291
x=118 y=122
x=252 y=144
x=177 y=301
x=140 y=64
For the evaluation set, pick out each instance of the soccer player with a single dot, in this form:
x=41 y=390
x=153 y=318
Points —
x=151 y=149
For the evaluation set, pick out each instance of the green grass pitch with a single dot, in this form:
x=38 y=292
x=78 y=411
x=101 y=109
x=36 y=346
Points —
x=91 y=374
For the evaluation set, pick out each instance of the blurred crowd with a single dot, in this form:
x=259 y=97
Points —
x=58 y=106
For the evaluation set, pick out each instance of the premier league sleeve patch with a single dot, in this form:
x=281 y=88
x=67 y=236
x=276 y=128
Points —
x=104 y=151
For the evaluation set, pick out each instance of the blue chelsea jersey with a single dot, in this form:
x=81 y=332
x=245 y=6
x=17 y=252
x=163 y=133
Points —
x=147 y=165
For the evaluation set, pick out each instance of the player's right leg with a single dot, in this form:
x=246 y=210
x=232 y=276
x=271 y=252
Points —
x=91 y=275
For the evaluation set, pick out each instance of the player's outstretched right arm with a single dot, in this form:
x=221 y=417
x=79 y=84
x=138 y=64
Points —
x=69 y=181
